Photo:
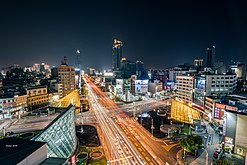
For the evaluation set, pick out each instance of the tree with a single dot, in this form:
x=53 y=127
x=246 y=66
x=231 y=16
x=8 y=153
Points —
x=191 y=143
x=223 y=162
x=84 y=90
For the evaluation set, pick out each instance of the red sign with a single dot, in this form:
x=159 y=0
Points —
x=226 y=107
x=231 y=108
x=221 y=106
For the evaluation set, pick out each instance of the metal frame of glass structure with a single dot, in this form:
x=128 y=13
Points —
x=60 y=135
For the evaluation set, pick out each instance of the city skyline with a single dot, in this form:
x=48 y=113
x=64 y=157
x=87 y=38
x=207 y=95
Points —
x=161 y=34
x=123 y=82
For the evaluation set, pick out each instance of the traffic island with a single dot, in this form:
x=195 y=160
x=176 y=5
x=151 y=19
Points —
x=82 y=156
x=96 y=155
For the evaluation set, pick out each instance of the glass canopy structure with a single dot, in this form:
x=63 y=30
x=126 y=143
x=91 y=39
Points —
x=183 y=113
x=72 y=98
x=60 y=135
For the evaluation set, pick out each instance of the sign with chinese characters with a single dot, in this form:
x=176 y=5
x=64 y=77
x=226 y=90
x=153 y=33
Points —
x=219 y=110
x=228 y=140
x=231 y=108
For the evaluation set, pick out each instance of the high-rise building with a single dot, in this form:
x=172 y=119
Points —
x=194 y=89
x=234 y=131
x=185 y=86
x=210 y=59
x=36 y=67
x=178 y=72
x=78 y=59
x=127 y=68
x=210 y=103
x=239 y=69
x=198 y=62
x=1 y=85
x=139 y=68
x=66 y=77
x=91 y=71
x=117 y=54
x=42 y=67
x=220 y=84
x=54 y=73
x=37 y=97
x=220 y=67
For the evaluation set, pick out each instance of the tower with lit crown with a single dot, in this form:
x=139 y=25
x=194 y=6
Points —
x=210 y=59
x=78 y=59
x=117 y=54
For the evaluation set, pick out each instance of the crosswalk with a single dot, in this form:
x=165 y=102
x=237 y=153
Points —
x=168 y=144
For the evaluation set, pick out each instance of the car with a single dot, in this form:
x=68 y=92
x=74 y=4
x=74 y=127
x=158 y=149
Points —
x=43 y=115
x=218 y=150
x=216 y=154
x=220 y=130
x=9 y=133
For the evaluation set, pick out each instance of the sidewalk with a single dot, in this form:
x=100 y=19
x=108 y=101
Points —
x=210 y=149
x=237 y=159
x=179 y=156
x=5 y=124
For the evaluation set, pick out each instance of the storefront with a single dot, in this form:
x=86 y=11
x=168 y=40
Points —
x=228 y=144
x=240 y=150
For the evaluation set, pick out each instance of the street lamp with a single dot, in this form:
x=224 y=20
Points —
x=134 y=109
x=152 y=126
x=141 y=117
x=168 y=132
x=184 y=154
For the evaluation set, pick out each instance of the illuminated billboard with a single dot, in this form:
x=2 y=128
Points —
x=199 y=90
x=119 y=86
x=219 y=110
x=200 y=83
x=141 y=86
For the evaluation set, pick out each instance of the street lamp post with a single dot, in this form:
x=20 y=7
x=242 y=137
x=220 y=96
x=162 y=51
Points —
x=152 y=126
x=97 y=139
x=168 y=132
x=184 y=154
x=48 y=111
x=141 y=117
x=134 y=109
x=156 y=92
x=4 y=131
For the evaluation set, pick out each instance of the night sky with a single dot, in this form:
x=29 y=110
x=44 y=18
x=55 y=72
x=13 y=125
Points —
x=160 y=33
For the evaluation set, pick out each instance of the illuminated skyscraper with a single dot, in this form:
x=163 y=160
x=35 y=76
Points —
x=117 y=54
x=1 y=83
x=210 y=59
x=78 y=59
